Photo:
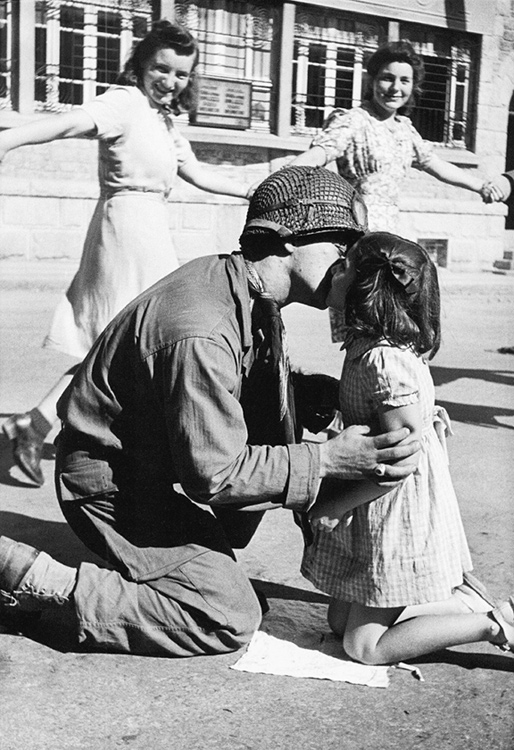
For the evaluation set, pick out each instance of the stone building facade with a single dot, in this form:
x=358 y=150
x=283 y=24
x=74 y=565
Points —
x=289 y=63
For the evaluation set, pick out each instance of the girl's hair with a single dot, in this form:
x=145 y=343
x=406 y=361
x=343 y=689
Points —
x=396 y=52
x=164 y=35
x=395 y=294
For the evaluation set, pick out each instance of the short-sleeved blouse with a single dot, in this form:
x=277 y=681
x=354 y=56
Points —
x=140 y=146
x=128 y=246
x=409 y=546
x=374 y=158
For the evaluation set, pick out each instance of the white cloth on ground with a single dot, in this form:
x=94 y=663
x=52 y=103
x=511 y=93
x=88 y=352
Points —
x=266 y=654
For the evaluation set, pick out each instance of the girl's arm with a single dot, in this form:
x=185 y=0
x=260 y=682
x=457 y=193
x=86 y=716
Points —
x=71 y=124
x=315 y=156
x=336 y=498
x=453 y=175
x=196 y=174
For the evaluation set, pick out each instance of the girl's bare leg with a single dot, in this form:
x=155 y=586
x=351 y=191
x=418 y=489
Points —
x=339 y=610
x=454 y=605
x=374 y=635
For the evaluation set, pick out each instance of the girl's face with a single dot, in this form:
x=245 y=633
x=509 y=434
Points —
x=392 y=87
x=343 y=276
x=165 y=75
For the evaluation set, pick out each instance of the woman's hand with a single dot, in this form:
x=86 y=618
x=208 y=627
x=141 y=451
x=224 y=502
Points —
x=211 y=181
x=495 y=190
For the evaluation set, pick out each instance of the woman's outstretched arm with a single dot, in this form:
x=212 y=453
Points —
x=453 y=175
x=71 y=124
x=315 y=156
x=196 y=174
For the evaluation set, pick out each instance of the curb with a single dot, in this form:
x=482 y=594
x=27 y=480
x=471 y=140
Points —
x=58 y=275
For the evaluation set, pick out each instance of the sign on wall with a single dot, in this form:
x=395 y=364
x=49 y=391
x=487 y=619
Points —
x=223 y=103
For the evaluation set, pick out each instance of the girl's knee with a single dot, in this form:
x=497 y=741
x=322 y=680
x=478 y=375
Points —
x=359 y=650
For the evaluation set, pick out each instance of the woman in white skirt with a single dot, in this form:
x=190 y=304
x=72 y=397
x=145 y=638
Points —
x=128 y=246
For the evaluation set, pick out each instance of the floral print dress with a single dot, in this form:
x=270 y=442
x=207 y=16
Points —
x=375 y=159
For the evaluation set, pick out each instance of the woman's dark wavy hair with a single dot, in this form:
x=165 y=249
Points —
x=401 y=51
x=164 y=35
x=379 y=306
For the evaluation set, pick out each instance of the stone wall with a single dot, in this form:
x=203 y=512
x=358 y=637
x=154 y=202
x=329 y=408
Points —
x=48 y=192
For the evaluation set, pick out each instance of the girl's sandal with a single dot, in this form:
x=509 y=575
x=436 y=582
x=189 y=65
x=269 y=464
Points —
x=504 y=616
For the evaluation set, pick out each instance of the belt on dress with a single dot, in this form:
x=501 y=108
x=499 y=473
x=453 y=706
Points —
x=110 y=193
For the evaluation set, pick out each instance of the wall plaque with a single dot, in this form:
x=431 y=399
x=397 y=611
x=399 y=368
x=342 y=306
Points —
x=223 y=103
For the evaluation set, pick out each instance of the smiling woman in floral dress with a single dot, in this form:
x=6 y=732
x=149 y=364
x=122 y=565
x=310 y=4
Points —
x=374 y=145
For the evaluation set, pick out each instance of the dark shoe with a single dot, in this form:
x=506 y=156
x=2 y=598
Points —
x=30 y=579
x=27 y=445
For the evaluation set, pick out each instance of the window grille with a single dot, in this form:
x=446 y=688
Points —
x=235 y=40
x=108 y=60
x=81 y=46
x=445 y=111
x=5 y=57
x=329 y=52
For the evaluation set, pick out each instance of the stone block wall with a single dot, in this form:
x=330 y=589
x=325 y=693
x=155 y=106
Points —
x=474 y=232
x=48 y=192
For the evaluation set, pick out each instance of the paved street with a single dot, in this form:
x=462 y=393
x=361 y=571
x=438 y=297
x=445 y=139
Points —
x=53 y=697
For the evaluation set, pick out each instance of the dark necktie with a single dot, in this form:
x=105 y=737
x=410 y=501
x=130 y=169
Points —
x=272 y=356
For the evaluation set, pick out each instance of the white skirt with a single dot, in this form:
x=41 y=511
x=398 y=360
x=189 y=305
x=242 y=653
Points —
x=128 y=248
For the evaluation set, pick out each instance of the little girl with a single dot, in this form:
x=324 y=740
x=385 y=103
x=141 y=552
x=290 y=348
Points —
x=394 y=567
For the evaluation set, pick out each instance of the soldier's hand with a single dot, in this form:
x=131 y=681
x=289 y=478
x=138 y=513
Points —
x=353 y=454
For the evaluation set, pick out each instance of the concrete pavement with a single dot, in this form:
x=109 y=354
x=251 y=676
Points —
x=53 y=697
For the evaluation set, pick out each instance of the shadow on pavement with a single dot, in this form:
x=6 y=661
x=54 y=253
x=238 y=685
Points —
x=53 y=537
x=281 y=591
x=442 y=375
x=484 y=416
x=467 y=660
